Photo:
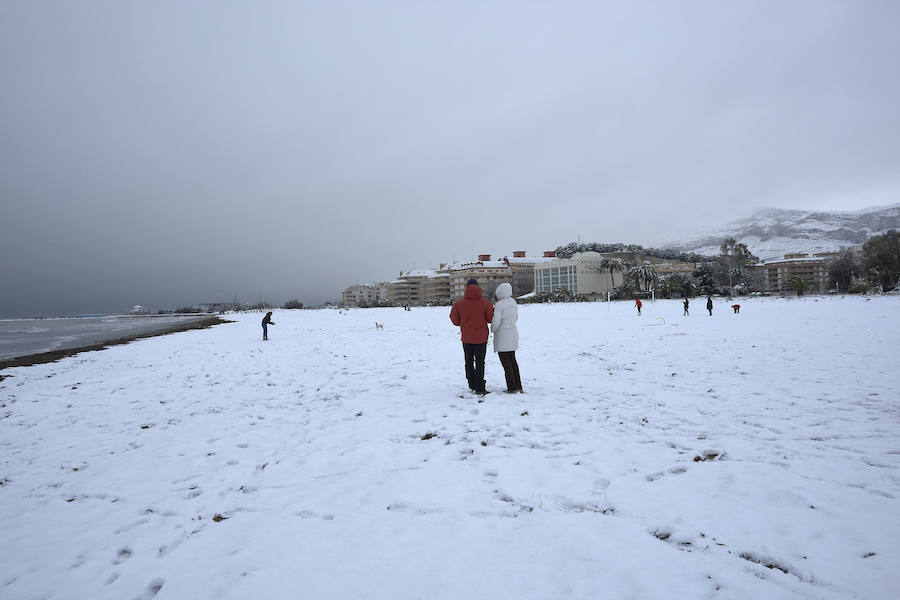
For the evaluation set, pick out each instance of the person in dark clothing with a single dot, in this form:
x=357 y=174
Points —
x=471 y=314
x=736 y=308
x=709 y=304
x=687 y=305
x=637 y=303
x=267 y=320
x=474 y=355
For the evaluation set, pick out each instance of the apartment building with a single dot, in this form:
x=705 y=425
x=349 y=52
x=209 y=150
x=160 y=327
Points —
x=435 y=289
x=448 y=282
x=813 y=269
x=674 y=266
x=489 y=274
x=407 y=288
x=366 y=294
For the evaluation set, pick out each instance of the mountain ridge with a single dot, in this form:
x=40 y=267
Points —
x=771 y=233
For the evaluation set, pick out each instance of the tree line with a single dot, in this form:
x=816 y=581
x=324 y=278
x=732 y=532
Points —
x=877 y=265
x=572 y=248
x=237 y=306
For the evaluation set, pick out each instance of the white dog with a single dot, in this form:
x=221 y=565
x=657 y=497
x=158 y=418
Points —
x=379 y=325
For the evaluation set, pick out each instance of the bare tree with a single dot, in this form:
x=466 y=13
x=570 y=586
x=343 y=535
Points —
x=845 y=266
x=735 y=261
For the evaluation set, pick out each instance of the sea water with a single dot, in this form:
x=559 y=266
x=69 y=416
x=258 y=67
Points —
x=21 y=337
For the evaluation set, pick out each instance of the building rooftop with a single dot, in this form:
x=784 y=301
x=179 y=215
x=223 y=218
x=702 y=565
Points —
x=528 y=260
x=588 y=255
x=795 y=259
x=478 y=263
x=419 y=273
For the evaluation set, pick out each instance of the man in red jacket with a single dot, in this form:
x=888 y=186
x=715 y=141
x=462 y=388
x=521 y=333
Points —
x=471 y=314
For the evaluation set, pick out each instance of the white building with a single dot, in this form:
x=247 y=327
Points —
x=582 y=274
x=435 y=289
x=366 y=294
x=407 y=288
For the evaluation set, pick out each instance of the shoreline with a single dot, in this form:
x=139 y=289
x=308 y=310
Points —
x=55 y=355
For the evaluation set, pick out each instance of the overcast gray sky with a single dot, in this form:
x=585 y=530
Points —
x=170 y=153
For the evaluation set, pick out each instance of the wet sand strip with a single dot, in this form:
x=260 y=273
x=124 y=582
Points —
x=46 y=357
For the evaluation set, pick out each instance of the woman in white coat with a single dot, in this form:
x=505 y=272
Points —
x=506 y=336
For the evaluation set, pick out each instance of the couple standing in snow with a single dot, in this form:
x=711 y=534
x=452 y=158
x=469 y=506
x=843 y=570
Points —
x=471 y=314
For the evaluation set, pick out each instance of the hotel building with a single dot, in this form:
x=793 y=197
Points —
x=813 y=269
x=581 y=274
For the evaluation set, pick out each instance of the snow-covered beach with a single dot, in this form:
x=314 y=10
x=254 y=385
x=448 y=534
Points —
x=734 y=456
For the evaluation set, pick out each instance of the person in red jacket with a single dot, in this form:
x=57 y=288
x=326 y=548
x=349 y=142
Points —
x=637 y=303
x=471 y=314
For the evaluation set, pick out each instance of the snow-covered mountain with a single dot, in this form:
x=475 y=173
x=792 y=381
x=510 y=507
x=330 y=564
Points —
x=773 y=232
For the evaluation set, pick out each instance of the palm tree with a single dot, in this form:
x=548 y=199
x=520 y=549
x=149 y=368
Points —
x=631 y=274
x=799 y=284
x=612 y=265
x=648 y=274
x=688 y=285
x=643 y=274
x=667 y=283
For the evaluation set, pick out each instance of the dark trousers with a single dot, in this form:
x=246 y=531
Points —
x=265 y=332
x=511 y=370
x=474 y=354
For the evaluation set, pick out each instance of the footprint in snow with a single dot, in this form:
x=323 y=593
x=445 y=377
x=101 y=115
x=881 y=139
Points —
x=123 y=555
x=672 y=471
x=152 y=590
x=308 y=514
x=167 y=548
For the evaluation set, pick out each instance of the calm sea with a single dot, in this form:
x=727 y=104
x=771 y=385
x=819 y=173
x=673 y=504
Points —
x=21 y=337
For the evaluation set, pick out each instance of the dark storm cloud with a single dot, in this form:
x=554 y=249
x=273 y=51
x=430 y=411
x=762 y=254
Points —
x=173 y=153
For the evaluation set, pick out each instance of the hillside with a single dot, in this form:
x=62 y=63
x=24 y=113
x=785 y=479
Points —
x=772 y=232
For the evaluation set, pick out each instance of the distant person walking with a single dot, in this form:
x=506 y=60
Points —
x=687 y=305
x=709 y=304
x=506 y=336
x=736 y=308
x=471 y=314
x=637 y=303
x=267 y=320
